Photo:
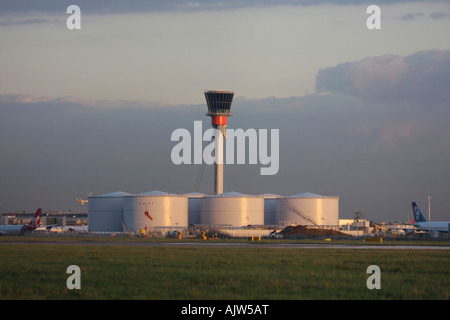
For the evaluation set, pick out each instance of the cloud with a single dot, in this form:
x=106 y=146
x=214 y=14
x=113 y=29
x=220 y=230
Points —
x=411 y=16
x=390 y=99
x=439 y=15
x=23 y=98
x=422 y=78
x=418 y=15
x=8 y=21
x=26 y=98
x=136 y=6
x=377 y=150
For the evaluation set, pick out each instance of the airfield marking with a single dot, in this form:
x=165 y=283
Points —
x=231 y=245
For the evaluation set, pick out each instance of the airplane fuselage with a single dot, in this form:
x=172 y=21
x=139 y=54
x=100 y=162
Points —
x=19 y=229
x=441 y=226
x=11 y=229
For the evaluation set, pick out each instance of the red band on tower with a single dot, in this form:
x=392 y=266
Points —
x=217 y=120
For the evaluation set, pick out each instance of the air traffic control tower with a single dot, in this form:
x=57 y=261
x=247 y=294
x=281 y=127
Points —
x=219 y=104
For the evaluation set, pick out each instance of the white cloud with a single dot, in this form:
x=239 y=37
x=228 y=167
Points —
x=422 y=77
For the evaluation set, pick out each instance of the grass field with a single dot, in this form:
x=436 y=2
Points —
x=136 y=272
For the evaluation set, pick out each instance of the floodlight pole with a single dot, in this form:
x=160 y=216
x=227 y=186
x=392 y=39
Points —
x=429 y=213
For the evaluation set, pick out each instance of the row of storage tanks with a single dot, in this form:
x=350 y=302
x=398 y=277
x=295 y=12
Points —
x=121 y=211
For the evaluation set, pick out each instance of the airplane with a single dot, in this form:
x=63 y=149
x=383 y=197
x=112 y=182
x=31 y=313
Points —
x=422 y=224
x=20 y=229
x=62 y=229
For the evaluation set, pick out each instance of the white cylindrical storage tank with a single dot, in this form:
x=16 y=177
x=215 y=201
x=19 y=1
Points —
x=233 y=209
x=155 y=209
x=270 y=208
x=105 y=211
x=194 y=207
x=308 y=209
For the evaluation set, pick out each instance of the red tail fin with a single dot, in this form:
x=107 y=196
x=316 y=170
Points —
x=35 y=222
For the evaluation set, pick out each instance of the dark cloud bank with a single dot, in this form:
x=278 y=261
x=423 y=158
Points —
x=376 y=134
x=138 y=6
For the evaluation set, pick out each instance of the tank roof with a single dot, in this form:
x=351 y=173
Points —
x=308 y=195
x=116 y=194
x=195 y=194
x=156 y=193
x=271 y=195
x=234 y=194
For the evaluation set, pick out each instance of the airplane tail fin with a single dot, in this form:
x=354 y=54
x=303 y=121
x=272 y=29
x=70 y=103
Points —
x=36 y=220
x=418 y=216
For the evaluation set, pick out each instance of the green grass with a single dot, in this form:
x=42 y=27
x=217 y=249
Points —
x=137 y=272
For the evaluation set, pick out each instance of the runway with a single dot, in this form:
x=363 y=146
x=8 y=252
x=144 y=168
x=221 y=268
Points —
x=210 y=244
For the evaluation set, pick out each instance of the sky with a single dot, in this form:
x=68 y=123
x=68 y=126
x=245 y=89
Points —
x=362 y=114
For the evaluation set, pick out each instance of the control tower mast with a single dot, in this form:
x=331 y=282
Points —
x=219 y=104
